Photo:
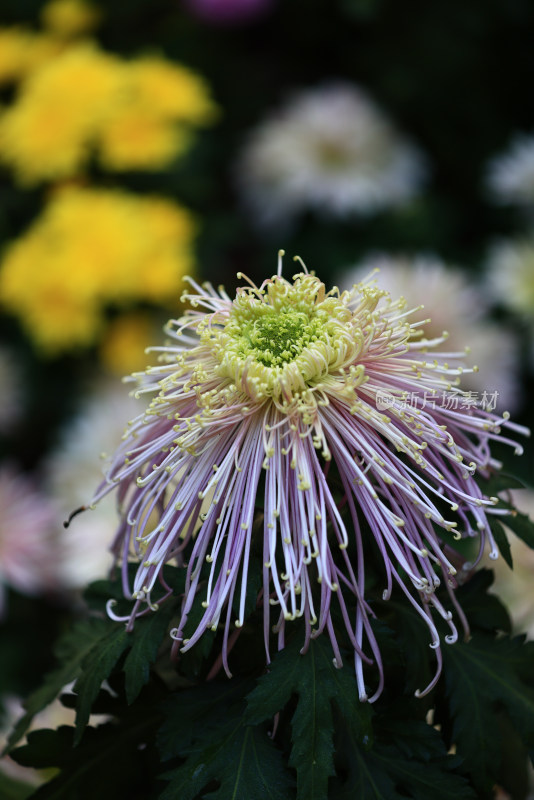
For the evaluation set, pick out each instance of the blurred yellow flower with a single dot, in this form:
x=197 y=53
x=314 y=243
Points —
x=135 y=138
x=81 y=101
x=48 y=132
x=14 y=45
x=89 y=249
x=69 y=18
x=171 y=90
x=22 y=51
x=122 y=350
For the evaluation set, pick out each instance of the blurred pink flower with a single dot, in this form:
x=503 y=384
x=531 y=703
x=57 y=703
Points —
x=228 y=11
x=27 y=523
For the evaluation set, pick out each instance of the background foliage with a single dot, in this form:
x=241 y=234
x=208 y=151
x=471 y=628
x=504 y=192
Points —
x=452 y=76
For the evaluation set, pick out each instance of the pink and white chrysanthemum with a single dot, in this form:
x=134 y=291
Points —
x=275 y=389
x=27 y=528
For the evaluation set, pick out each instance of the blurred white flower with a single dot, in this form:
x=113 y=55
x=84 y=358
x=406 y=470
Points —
x=331 y=150
x=455 y=305
x=510 y=176
x=27 y=528
x=11 y=393
x=511 y=276
x=74 y=470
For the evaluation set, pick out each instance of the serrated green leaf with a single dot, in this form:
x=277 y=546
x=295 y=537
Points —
x=478 y=675
x=422 y=780
x=318 y=684
x=520 y=524
x=483 y=609
x=96 y=667
x=146 y=639
x=71 y=650
x=414 y=642
x=414 y=764
x=501 y=540
x=192 y=714
x=205 y=725
x=244 y=761
x=111 y=761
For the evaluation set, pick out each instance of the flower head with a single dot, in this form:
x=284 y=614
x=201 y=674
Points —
x=447 y=301
x=70 y=18
x=295 y=422
x=27 y=526
x=330 y=150
x=510 y=176
x=48 y=132
x=89 y=248
x=22 y=51
x=133 y=114
x=511 y=275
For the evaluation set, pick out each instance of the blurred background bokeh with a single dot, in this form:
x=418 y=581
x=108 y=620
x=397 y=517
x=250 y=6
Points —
x=146 y=140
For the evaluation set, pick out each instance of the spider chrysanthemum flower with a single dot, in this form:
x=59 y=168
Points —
x=280 y=422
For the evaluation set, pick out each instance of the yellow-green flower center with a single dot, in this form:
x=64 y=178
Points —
x=284 y=338
x=278 y=337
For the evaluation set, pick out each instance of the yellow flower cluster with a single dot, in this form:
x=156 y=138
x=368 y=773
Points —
x=23 y=51
x=70 y=18
x=76 y=101
x=91 y=248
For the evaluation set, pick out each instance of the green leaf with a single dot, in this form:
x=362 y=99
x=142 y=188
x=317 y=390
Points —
x=482 y=676
x=501 y=540
x=318 y=684
x=413 y=764
x=520 y=524
x=244 y=761
x=422 y=779
x=71 y=650
x=483 y=609
x=191 y=714
x=500 y=482
x=96 y=667
x=146 y=639
x=205 y=725
x=113 y=760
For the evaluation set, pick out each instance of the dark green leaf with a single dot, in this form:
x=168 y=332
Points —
x=192 y=714
x=413 y=764
x=96 y=667
x=146 y=638
x=499 y=482
x=112 y=760
x=483 y=609
x=317 y=682
x=520 y=524
x=71 y=650
x=244 y=762
x=501 y=540
x=482 y=676
x=422 y=780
